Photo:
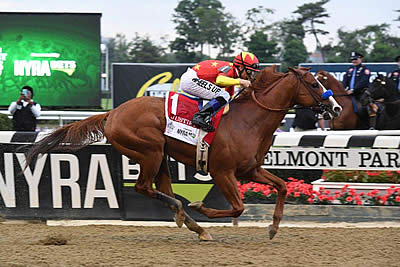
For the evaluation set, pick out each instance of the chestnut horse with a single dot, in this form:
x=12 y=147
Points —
x=244 y=136
x=348 y=119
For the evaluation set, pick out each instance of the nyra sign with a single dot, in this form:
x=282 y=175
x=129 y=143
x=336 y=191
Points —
x=64 y=171
x=330 y=158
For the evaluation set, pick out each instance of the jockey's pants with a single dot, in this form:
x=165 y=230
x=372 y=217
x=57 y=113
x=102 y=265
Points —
x=192 y=84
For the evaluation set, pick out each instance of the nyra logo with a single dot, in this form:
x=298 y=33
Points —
x=43 y=66
x=98 y=169
x=3 y=57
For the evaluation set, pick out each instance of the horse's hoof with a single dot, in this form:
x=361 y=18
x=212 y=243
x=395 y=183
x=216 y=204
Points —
x=196 y=205
x=272 y=232
x=179 y=218
x=205 y=236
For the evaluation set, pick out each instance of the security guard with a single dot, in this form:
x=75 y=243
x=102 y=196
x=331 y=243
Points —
x=394 y=75
x=356 y=81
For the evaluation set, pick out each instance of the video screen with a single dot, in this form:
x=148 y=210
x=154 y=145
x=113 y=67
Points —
x=57 y=54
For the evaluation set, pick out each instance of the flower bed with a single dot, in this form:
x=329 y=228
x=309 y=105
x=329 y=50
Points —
x=299 y=192
x=389 y=177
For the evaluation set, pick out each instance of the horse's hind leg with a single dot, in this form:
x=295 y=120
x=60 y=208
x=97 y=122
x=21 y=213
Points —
x=150 y=164
x=163 y=184
x=264 y=177
x=149 y=168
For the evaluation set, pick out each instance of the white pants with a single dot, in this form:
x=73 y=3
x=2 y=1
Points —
x=193 y=85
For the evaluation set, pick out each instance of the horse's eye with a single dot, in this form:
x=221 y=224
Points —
x=325 y=78
x=383 y=82
x=378 y=80
x=315 y=85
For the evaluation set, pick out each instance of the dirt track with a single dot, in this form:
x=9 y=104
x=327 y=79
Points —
x=22 y=245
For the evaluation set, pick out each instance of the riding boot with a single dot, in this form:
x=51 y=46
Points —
x=372 y=123
x=202 y=119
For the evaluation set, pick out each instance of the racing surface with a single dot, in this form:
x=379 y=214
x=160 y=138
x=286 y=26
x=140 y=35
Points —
x=34 y=245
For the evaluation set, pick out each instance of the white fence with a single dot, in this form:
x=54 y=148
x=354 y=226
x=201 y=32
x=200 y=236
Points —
x=61 y=115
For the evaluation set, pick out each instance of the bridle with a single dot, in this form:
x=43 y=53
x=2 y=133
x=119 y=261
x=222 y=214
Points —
x=318 y=107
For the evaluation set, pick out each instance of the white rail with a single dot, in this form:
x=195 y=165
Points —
x=61 y=115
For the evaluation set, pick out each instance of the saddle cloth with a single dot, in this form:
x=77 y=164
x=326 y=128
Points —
x=179 y=111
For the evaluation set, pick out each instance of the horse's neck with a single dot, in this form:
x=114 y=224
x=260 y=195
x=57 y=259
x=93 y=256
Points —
x=262 y=123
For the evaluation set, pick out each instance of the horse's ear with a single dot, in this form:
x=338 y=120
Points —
x=305 y=68
x=273 y=68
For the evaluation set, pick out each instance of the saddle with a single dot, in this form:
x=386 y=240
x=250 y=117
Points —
x=179 y=111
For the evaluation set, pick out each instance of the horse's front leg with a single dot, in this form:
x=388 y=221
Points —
x=264 y=177
x=226 y=182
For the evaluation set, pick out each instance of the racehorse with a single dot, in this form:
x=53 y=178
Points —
x=244 y=136
x=348 y=119
x=389 y=117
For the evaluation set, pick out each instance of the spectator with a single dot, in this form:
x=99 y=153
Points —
x=25 y=111
x=394 y=75
x=306 y=120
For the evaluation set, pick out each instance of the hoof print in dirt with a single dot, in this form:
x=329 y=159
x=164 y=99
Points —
x=55 y=240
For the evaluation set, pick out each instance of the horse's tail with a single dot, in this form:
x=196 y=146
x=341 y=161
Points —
x=71 y=137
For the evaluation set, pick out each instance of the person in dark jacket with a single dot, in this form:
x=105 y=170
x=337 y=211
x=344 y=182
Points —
x=25 y=111
x=356 y=81
x=394 y=75
x=306 y=120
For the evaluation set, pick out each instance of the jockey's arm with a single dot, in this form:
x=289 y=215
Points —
x=224 y=81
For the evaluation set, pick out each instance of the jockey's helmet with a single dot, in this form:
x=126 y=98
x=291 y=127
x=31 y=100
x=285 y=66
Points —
x=248 y=61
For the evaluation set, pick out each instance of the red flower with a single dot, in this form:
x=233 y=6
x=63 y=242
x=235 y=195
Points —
x=397 y=199
x=310 y=200
x=349 y=199
x=296 y=194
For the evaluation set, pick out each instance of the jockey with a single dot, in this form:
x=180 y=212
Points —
x=208 y=78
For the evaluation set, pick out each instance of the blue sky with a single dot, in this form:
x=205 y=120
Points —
x=153 y=17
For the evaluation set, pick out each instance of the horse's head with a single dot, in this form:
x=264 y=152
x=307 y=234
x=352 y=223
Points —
x=382 y=87
x=330 y=82
x=311 y=92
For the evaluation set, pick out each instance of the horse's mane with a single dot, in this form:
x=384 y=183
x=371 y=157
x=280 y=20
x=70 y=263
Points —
x=267 y=76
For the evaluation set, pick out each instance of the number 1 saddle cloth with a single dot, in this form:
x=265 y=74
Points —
x=179 y=111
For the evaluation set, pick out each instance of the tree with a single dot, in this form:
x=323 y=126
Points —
x=200 y=23
x=313 y=13
x=290 y=34
x=294 y=53
x=144 y=50
x=265 y=49
x=398 y=18
x=373 y=41
x=119 y=48
x=256 y=38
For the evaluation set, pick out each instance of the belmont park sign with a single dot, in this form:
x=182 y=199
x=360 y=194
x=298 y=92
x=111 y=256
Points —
x=332 y=158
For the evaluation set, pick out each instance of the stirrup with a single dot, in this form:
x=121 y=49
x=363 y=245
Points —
x=202 y=124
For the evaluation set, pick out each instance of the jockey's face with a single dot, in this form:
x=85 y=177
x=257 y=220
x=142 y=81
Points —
x=242 y=73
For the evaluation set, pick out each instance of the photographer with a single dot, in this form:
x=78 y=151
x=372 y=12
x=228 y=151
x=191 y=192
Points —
x=25 y=111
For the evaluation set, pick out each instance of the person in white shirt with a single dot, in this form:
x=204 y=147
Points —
x=25 y=111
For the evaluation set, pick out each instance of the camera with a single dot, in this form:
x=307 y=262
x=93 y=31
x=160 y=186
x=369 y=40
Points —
x=24 y=92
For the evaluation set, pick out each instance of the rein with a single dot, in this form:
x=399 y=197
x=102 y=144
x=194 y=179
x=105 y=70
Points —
x=253 y=96
x=299 y=80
